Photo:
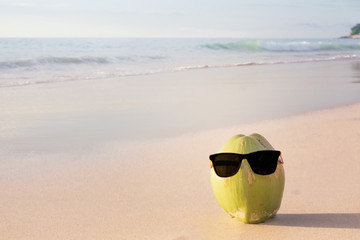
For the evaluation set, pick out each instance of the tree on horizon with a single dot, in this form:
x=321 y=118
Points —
x=355 y=29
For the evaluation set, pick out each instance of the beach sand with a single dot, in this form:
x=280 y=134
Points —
x=128 y=158
x=163 y=189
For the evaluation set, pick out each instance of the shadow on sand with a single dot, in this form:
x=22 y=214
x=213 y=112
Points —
x=319 y=220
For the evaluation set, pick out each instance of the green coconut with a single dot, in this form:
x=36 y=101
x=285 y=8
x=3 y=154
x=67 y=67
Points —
x=249 y=197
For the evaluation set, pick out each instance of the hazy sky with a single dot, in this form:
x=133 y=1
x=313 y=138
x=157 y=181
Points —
x=178 y=18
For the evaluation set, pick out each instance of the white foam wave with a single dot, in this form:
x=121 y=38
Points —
x=82 y=60
x=285 y=45
x=96 y=75
x=301 y=46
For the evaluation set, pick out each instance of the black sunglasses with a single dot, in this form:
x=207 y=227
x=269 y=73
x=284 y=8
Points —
x=261 y=162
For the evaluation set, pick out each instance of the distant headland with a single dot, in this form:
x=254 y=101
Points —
x=355 y=32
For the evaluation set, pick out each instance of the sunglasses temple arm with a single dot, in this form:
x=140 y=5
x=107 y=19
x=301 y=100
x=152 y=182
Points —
x=281 y=160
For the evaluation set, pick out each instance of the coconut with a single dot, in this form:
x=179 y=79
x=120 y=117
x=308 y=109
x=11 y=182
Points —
x=249 y=197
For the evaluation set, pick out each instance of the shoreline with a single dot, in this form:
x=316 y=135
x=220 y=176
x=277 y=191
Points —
x=181 y=69
x=163 y=189
x=184 y=69
x=70 y=116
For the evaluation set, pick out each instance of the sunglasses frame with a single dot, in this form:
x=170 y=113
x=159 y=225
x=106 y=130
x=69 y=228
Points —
x=242 y=157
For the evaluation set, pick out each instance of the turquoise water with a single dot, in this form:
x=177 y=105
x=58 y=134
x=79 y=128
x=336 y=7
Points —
x=37 y=61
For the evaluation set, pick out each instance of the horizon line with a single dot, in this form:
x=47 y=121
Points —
x=160 y=37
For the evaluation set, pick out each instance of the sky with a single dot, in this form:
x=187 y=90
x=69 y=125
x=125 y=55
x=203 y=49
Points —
x=179 y=18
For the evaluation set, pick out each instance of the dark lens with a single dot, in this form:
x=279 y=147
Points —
x=263 y=162
x=226 y=164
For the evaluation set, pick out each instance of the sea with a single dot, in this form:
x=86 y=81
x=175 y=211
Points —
x=29 y=61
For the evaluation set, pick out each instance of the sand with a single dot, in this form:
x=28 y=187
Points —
x=128 y=158
x=162 y=190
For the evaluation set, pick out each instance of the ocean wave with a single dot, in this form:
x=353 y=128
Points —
x=46 y=61
x=26 y=63
x=96 y=75
x=244 y=64
x=285 y=45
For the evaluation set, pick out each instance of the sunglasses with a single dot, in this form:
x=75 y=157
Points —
x=261 y=162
